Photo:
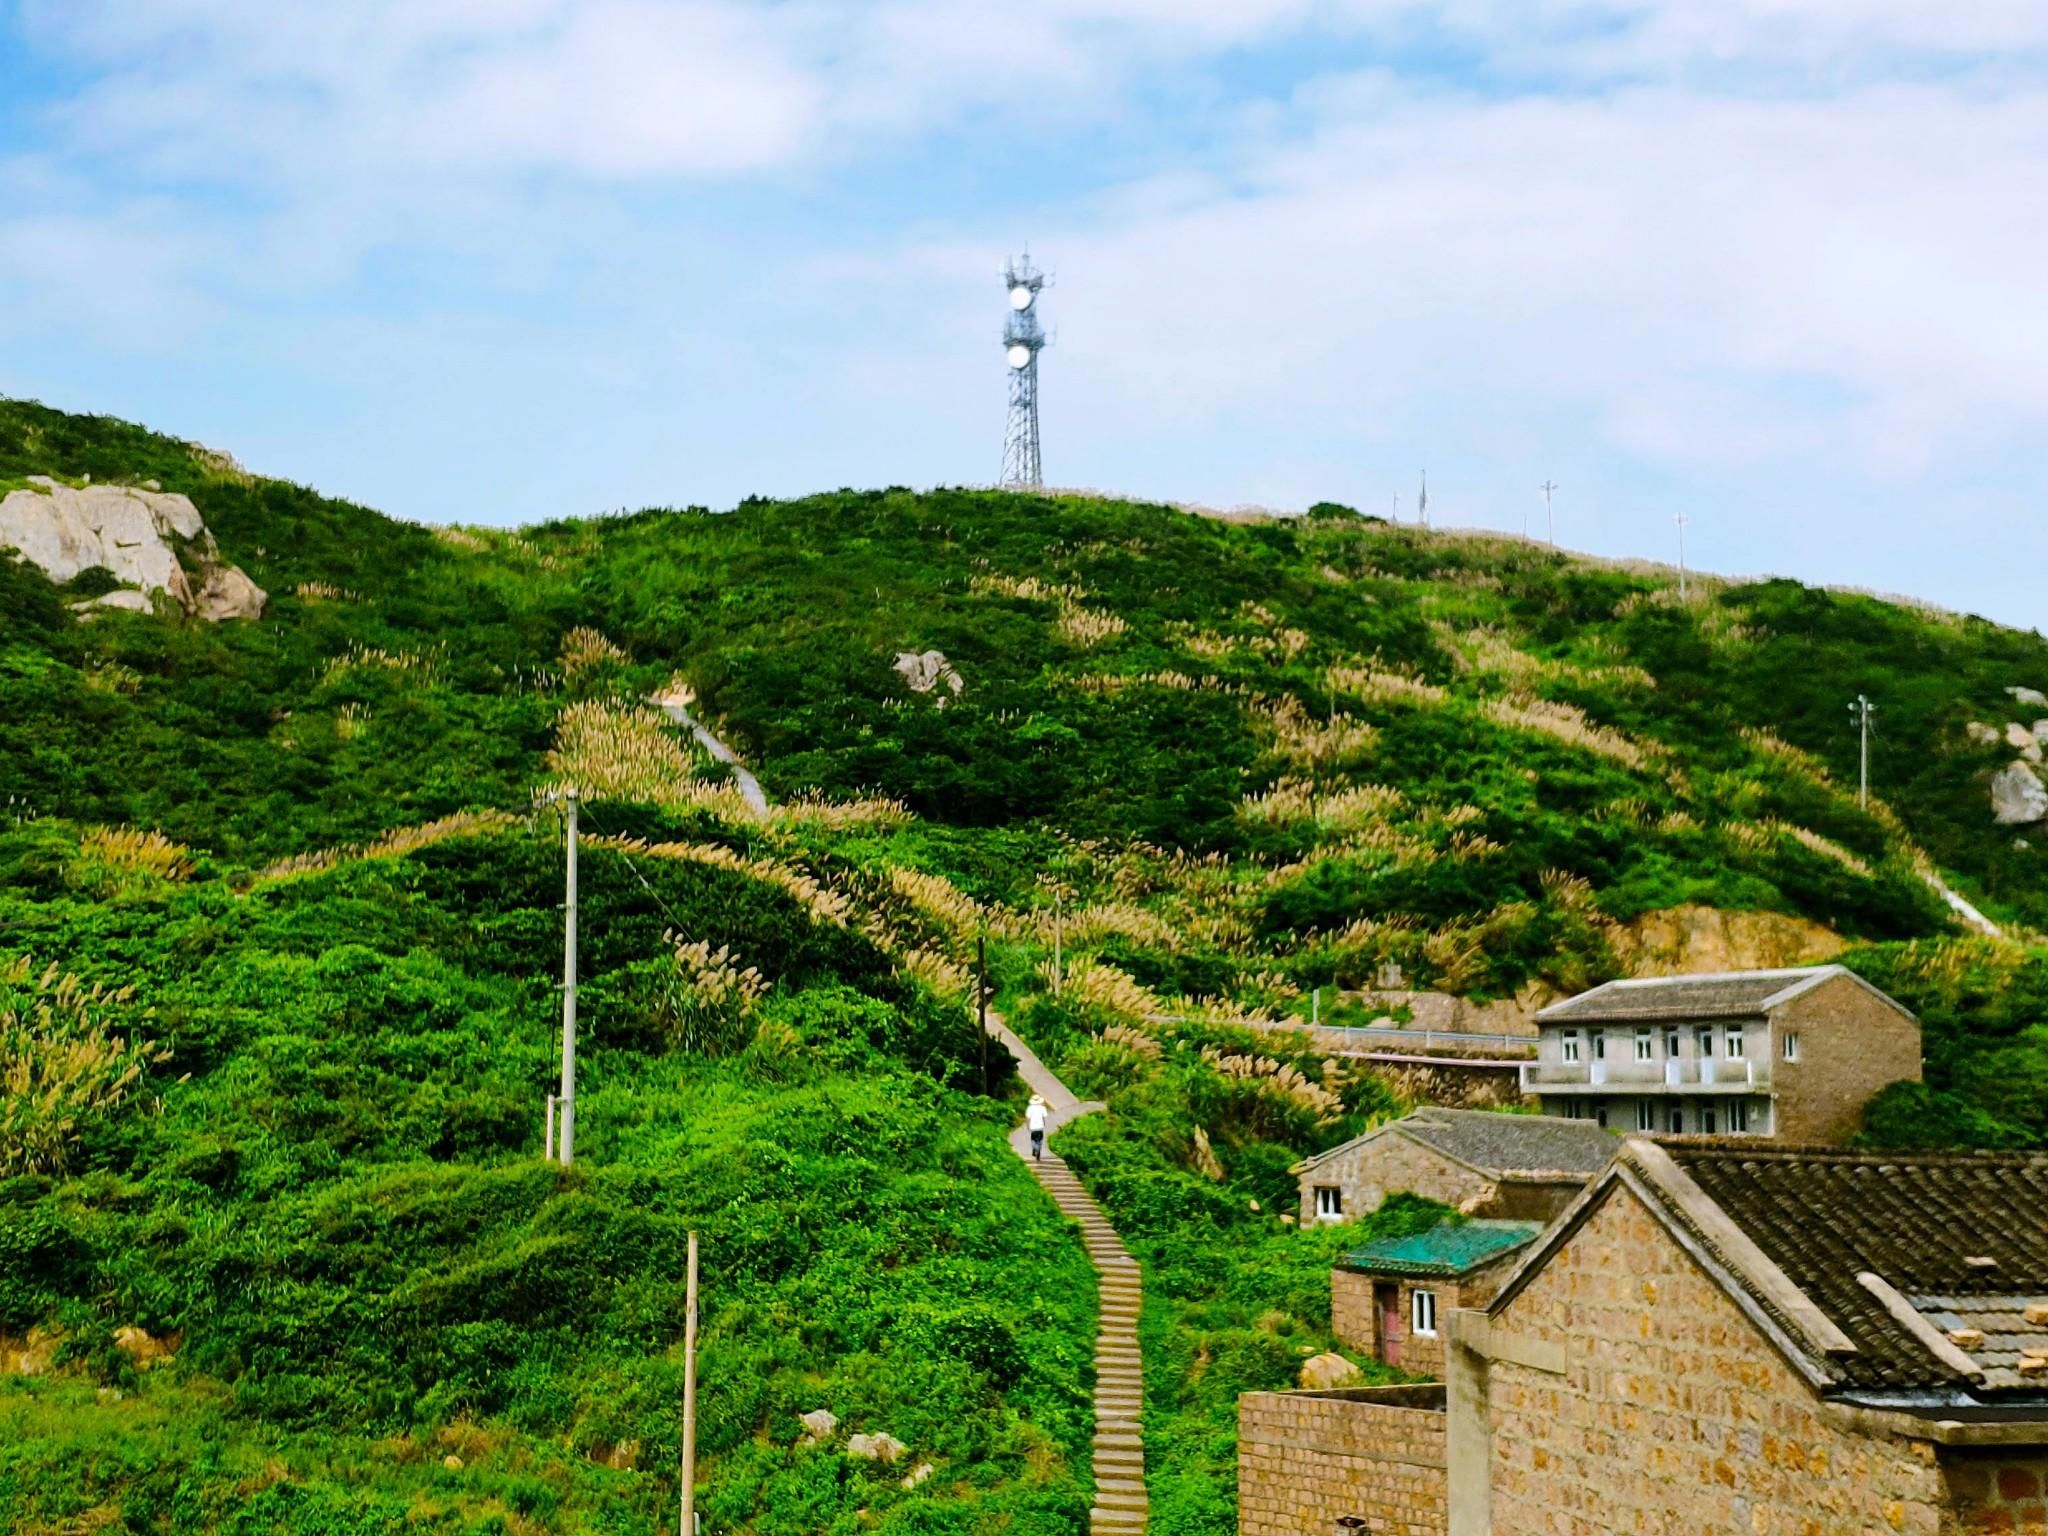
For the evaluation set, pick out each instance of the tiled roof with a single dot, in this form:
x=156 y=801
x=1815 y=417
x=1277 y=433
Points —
x=1729 y=995
x=1507 y=1145
x=1498 y=1144
x=1924 y=1223
x=1448 y=1250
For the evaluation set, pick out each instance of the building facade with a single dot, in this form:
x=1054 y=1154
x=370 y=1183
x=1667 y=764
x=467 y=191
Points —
x=1392 y=1297
x=1718 y=1336
x=1785 y=1055
x=1483 y=1162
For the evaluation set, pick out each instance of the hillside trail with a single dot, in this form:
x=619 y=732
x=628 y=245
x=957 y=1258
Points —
x=749 y=786
x=1119 y=1453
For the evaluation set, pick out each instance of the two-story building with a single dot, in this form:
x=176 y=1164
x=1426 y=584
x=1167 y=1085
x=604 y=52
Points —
x=1790 y=1055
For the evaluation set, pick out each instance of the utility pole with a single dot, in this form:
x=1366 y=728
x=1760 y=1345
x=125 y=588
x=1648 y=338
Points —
x=981 y=997
x=1860 y=712
x=1681 y=519
x=1549 y=522
x=686 y=1524
x=1422 y=501
x=565 y=1141
x=1058 y=931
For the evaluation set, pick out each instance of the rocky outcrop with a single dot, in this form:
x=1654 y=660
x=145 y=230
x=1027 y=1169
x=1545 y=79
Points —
x=883 y=1447
x=1697 y=940
x=927 y=670
x=2017 y=796
x=149 y=541
x=1321 y=1372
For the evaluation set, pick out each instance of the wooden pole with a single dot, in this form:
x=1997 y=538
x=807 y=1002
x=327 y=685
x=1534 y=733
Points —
x=686 y=1524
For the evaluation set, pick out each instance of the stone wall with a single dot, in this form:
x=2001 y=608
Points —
x=1851 y=1044
x=2002 y=1490
x=1390 y=1162
x=1670 y=1413
x=1376 y=1454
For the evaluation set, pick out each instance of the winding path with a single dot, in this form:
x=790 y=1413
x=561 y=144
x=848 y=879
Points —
x=1119 y=1459
x=749 y=786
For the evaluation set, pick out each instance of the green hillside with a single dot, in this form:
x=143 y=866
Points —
x=1221 y=764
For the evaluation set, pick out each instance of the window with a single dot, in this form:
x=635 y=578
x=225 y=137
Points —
x=1646 y=1114
x=1599 y=1045
x=1575 y=1108
x=1645 y=1045
x=1706 y=1119
x=1791 y=1045
x=1329 y=1203
x=1703 y=1042
x=1571 y=1045
x=1422 y=1313
x=1738 y=1116
x=1600 y=1116
x=1671 y=1043
x=1732 y=1044
x=1676 y=1123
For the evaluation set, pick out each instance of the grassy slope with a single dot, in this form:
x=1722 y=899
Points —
x=371 y=1041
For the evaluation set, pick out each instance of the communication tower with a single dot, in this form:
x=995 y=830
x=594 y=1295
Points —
x=1023 y=340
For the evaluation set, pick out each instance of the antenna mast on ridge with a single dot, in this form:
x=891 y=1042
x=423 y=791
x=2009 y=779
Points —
x=1023 y=340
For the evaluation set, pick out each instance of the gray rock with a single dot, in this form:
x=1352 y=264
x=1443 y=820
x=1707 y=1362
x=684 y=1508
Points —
x=885 y=1448
x=2017 y=796
x=1982 y=734
x=819 y=1424
x=918 y=1474
x=2033 y=696
x=2022 y=741
x=927 y=670
x=150 y=541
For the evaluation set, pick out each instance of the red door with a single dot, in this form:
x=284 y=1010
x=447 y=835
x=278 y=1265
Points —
x=1388 y=1300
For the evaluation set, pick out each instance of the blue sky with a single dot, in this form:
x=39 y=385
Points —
x=1781 y=265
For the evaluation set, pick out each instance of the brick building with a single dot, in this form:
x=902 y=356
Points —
x=1775 y=1341
x=1718 y=1336
x=1390 y=1297
x=1517 y=1167
x=1789 y=1055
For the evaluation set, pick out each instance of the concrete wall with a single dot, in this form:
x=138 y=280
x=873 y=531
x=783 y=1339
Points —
x=1665 y=1412
x=1388 y=1163
x=1851 y=1044
x=1374 y=1453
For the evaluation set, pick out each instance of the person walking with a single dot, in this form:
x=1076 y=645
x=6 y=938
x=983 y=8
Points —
x=1034 y=1117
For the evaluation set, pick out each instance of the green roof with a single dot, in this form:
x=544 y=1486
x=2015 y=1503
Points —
x=1450 y=1249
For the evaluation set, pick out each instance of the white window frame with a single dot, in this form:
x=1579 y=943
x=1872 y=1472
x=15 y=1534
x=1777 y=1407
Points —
x=1646 y=1045
x=1332 y=1207
x=1671 y=1042
x=1422 y=1313
x=1599 y=1045
x=1791 y=1045
x=1702 y=1042
x=1738 y=1117
x=1733 y=1045
x=1646 y=1114
x=1569 y=1045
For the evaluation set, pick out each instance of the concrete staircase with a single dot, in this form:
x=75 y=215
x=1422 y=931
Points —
x=1119 y=1458
x=1119 y=1368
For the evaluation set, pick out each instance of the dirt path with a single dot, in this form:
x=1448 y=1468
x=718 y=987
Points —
x=749 y=786
x=1119 y=1459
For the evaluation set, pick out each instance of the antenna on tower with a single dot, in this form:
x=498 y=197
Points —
x=1023 y=340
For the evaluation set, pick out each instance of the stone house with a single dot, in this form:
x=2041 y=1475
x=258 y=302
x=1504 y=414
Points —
x=1788 y=1055
x=1517 y=1167
x=1391 y=1296
x=1724 y=1336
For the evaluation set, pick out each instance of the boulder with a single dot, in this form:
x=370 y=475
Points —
x=819 y=1424
x=150 y=542
x=885 y=1448
x=2017 y=796
x=1982 y=733
x=917 y=1474
x=2032 y=696
x=1320 y=1371
x=927 y=670
x=2022 y=741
